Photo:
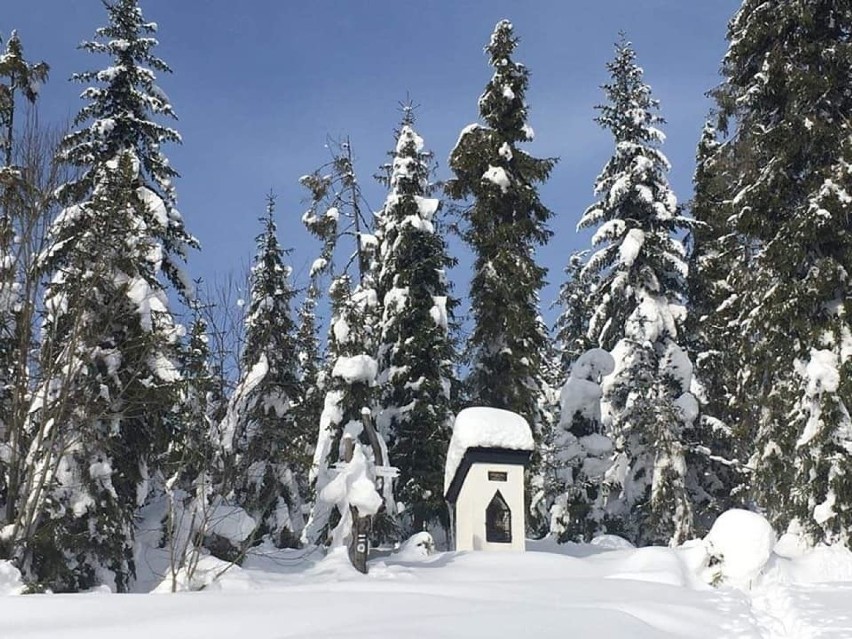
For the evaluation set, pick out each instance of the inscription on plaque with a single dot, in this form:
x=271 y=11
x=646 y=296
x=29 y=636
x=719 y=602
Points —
x=494 y=475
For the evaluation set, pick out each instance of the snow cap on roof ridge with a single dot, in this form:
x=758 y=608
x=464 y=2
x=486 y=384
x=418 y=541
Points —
x=484 y=427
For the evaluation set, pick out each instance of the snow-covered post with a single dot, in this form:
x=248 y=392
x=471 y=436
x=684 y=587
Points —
x=362 y=524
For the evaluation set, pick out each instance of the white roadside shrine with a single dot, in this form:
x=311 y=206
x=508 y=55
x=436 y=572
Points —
x=484 y=479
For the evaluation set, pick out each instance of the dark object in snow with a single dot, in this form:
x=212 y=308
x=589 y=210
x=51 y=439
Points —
x=359 y=545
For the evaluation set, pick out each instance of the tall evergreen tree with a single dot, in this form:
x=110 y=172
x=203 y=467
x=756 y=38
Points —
x=638 y=308
x=785 y=103
x=715 y=449
x=259 y=430
x=120 y=112
x=109 y=359
x=103 y=407
x=506 y=221
x=416 y=353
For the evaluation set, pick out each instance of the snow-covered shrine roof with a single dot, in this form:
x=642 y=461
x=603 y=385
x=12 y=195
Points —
x=479 y=433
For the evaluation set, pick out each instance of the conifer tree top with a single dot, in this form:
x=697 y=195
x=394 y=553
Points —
x=630 y=112
x=123 y=99
x=487 y=160
x=636 y=212
x=506 y=220
x=406 y=203
x=268 y=320
x=502 y=104
x=122 y=103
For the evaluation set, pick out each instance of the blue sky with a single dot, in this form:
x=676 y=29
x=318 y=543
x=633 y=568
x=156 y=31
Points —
x=258 y=85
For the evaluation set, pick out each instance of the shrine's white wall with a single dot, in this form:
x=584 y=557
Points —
x=474 y=496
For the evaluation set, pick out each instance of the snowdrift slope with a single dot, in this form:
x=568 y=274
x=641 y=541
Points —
x=590 y=592
x=446 y=595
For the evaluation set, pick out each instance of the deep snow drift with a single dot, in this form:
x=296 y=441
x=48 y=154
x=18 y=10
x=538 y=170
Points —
x=599 y=590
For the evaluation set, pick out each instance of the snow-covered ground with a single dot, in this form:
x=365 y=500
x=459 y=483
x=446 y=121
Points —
x=597 y=590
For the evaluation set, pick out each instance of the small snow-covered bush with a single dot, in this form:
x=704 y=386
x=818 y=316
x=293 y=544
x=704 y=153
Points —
x=418 y=545
x=738 y=546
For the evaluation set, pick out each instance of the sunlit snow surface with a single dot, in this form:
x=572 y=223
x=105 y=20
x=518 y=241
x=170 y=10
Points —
x=565 y=591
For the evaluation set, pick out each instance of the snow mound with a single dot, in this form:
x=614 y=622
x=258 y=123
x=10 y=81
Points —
x=611 y=542
x=822 y=564
x=654 y=565
x=334 y=567
x=791 y=545
x=416 y=547
x=741 y=542
x=10 y=579
x=482 y=427
x=203 y=575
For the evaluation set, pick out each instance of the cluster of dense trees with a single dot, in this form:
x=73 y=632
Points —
x=700 y=361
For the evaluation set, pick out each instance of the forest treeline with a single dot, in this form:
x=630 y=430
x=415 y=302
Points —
x=701 y=359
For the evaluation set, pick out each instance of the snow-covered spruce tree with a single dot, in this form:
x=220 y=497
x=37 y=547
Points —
x=17 y=78
x=343 y=470
x=259 y=432
x=784 y=103
x=505 y=222
x=715 y=451
x=101 y=412
x=110 y=342
x=416 y=351
x=120 y=112
x=638 y=308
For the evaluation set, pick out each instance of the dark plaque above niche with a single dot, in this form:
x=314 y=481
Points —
x=494 y=475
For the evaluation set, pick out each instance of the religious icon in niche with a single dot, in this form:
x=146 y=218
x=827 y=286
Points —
x=498 y=521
